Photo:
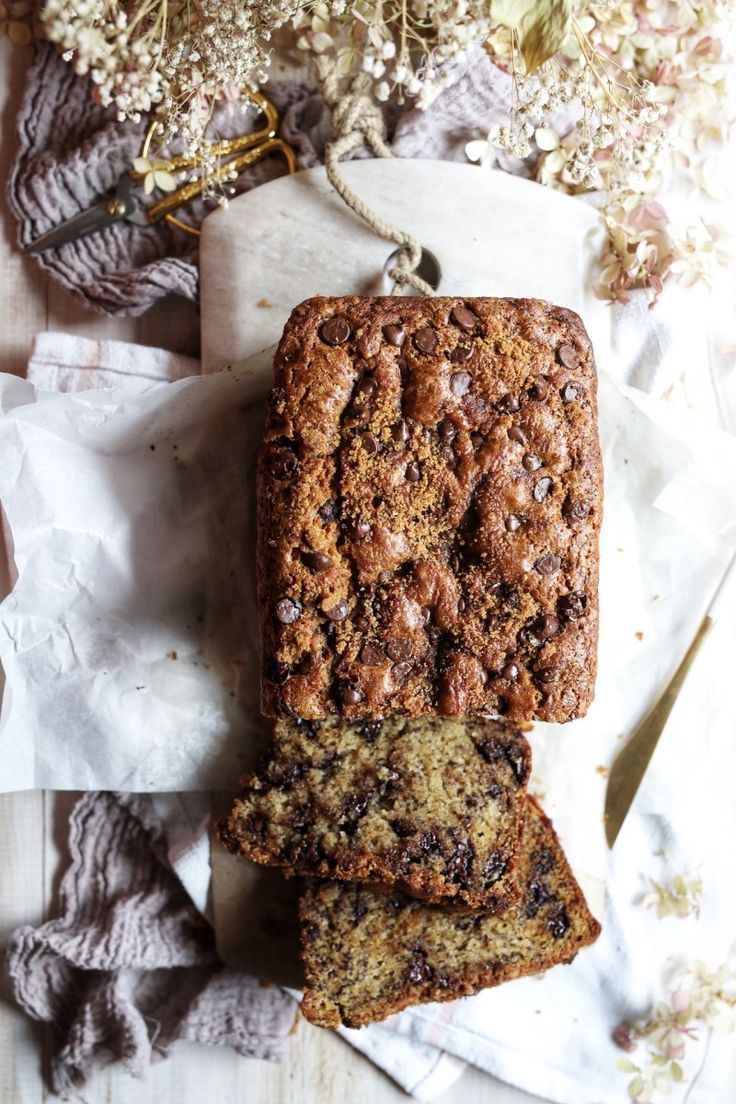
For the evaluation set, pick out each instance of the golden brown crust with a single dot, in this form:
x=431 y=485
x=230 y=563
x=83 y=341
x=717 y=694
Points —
x=436 y=806
x=368 y=955
x=429 y=511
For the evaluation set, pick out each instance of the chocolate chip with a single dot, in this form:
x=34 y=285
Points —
x=548 y=564
x=362 y=624
x=429 y=842
x=401 y=670
x=493 y=868
x=425 y=339
x=507 y=404
x=370 y=655
x=369 y=443
x=400 y=432
x=476 y=440
x=283 y=464
x=404 y=369
x=395 y=335
x=456 y=562
x=425 y=615
x=461 y=354
x=462 y=605
x=546 y=626
x=403 y=827
x=531 y=462
x=359 y=529
x=542 y=489
x=538 y=894
x=539 y=389
x=568 y=356
x=559 y=924
x=512 y=523
x=337 y=612
x=349 y=694
x=370 y=731
x=517 y=435
x=419 y=971
x=367 y=386
x=327 y=511
x=572 y=606
x=545 y=675
x=460 y=383
x=510 y=672
x=446 y=429
x=572 y=391
x=464 y=318
x=399 y=648
x=357 y=413
x=543 y=862
x=276 y=672
x=287 y=610
x=413 y=472
x=335 y=331
x=317 y=561
x=574 y=510
x=307 y=664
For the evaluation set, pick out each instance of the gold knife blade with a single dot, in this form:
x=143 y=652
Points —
x=632 y=761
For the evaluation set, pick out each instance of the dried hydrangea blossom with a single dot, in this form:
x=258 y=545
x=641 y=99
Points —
x=698 y=998
x=681 y=898
x=651 y=78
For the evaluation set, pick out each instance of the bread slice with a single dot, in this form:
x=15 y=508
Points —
x=368 y=954
x=435 y=806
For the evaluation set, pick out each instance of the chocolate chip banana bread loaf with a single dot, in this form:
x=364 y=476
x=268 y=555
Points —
x=368 y=954
x=436 y=805
x=430 y=498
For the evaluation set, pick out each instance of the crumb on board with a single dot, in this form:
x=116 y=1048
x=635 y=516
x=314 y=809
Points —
x=620 y=735
x=639 y=635
x=152 y=448
x=173 y=655
x=655 y=597
x=264 y=303
x=601 y=770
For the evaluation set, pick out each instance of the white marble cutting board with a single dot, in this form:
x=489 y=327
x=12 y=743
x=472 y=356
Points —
x=493 y=234
x=292 y=238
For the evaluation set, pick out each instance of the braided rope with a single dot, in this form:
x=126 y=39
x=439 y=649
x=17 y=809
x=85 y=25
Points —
x=358 y=121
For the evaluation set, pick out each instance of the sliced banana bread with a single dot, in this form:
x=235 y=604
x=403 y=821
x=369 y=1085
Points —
x=436 y=806
x=369 y=954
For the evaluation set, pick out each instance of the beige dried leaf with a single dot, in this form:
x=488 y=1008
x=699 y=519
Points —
x=542 y=26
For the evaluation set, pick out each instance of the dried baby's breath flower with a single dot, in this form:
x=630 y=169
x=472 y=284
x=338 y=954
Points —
x=681 y=898
x=697 y=999
x=173 y=58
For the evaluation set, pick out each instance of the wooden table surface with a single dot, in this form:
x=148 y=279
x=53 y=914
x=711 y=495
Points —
x=320 y=1068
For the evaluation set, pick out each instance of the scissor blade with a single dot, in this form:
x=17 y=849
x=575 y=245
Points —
x=121 y=206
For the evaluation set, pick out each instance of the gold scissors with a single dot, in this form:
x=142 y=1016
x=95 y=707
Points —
x=234 y=154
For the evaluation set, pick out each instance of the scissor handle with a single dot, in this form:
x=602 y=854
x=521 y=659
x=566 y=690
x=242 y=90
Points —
x=226 y=148
x=165 y=207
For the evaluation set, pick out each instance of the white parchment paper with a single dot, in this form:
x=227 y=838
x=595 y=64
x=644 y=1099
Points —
x=129 y=641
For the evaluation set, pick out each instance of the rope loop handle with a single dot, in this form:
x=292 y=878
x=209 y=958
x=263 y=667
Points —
x=358 y=121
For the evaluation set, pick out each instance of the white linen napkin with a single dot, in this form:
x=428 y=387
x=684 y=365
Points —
x=569 y=1057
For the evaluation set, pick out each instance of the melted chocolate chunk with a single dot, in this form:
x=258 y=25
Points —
x=338 y=612
x=568 y=356
x=413 y=472
x=548 y=564
x=425 y=340
x=464 y=318
x=517 y=435
x=508 y=404
x=531 y=462
x=395 y=335
x=349 y=694
x=400 y=432
x=371 y=655
x=571 y=607
x=399 y=648
x=287 y=610
x=539 y=389
x=335 y=331
x=572 y=391
x=316 y=561
x=574 y=510
x=494 y=868
x=461 y=354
